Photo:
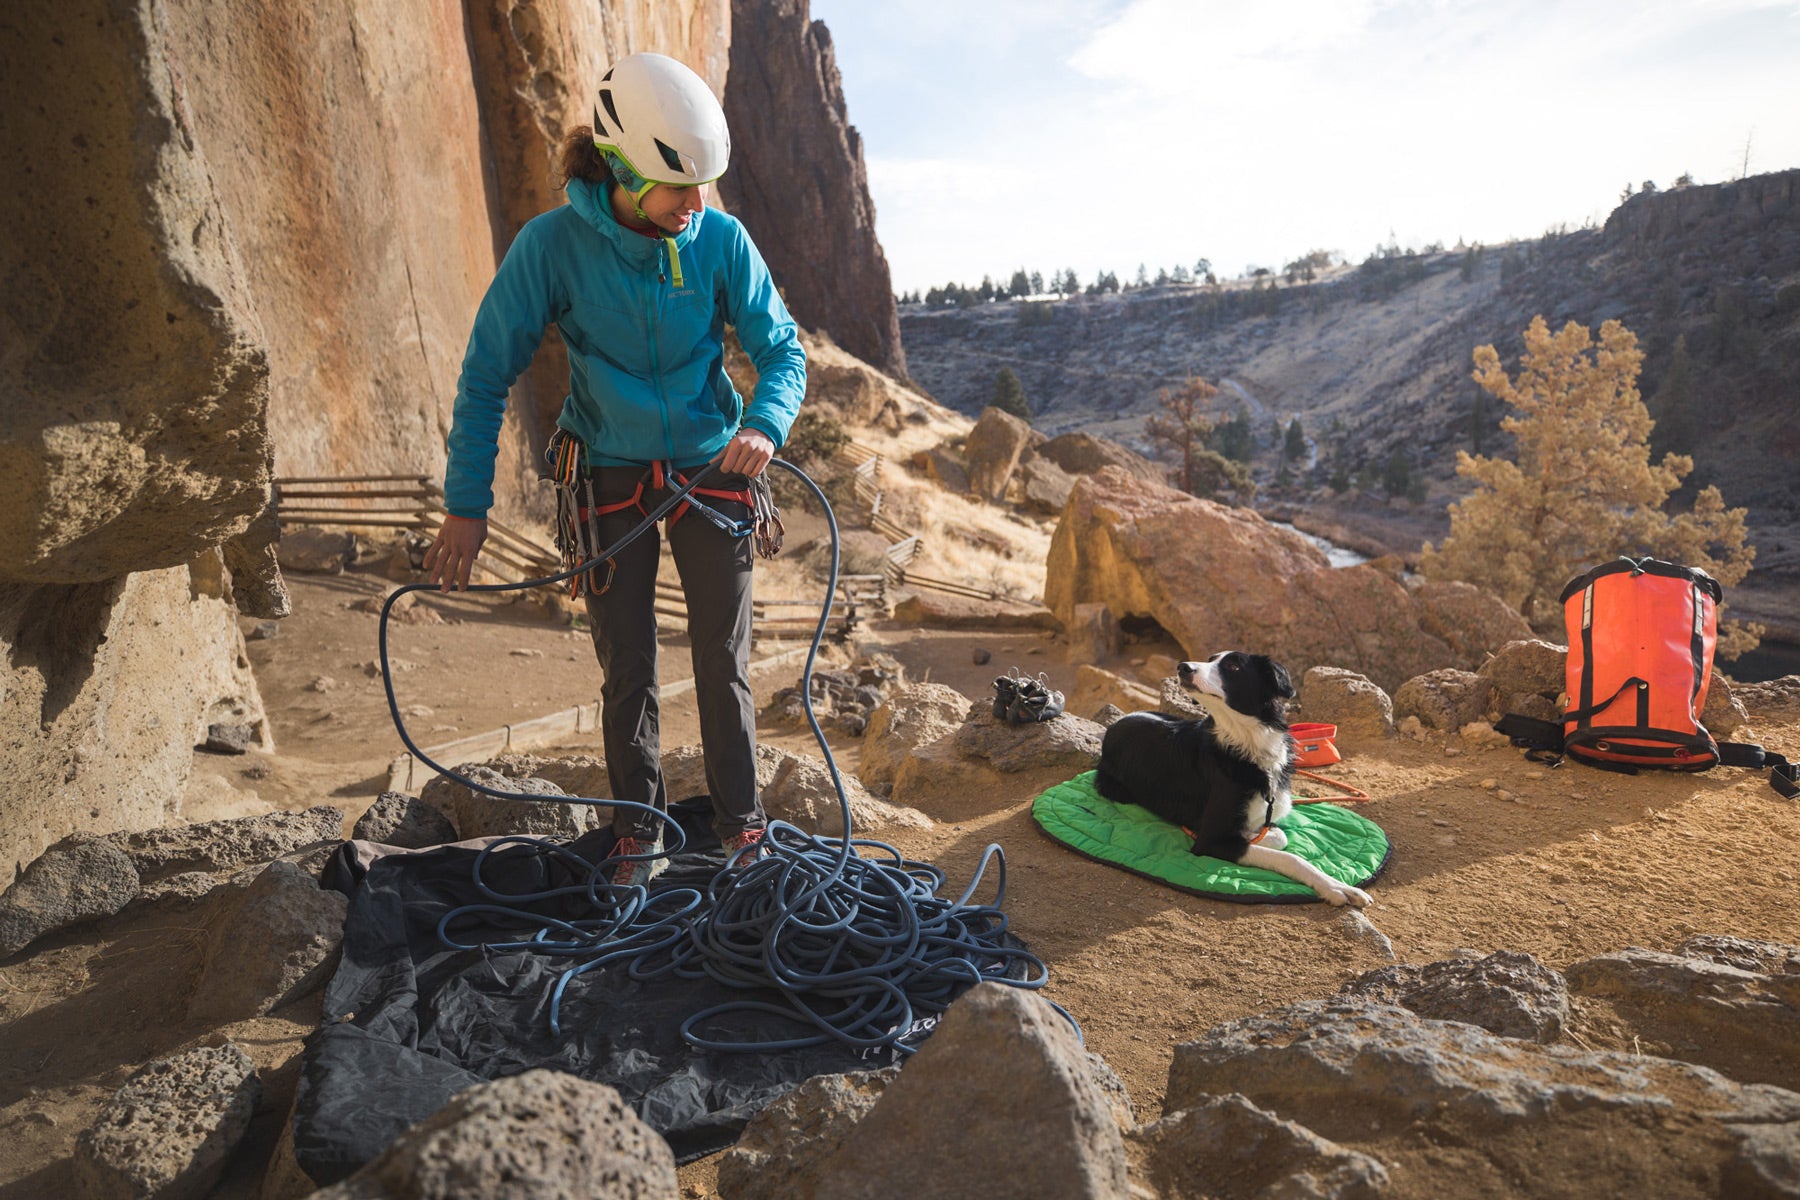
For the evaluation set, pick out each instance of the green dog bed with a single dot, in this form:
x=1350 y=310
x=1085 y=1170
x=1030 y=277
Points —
x=1335 y=840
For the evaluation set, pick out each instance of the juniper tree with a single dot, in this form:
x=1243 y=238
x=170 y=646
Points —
x=1584 y=489
x=1183 y=427
x=1009 y=394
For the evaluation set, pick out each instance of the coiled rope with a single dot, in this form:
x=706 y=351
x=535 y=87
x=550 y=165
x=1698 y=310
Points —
x=850 y=935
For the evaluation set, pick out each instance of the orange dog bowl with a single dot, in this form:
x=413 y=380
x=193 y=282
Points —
x=1313 y=745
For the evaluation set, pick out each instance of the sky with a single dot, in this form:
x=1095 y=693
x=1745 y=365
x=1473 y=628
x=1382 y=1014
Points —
x=1101 y=134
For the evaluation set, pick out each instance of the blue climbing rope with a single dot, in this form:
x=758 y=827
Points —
x=845 y=938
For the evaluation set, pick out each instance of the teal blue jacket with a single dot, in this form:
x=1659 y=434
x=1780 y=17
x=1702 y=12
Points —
x=644 y=321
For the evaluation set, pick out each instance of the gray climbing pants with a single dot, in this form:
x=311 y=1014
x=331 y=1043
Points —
x=715 y=571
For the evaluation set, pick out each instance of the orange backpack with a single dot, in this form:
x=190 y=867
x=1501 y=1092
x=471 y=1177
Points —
x=1641 y=638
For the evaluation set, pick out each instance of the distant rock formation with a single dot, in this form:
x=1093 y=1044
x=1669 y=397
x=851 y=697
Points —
x=797 y=180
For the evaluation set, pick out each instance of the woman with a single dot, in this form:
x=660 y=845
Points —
x=641 y=279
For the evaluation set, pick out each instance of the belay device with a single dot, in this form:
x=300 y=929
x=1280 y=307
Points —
x=1641 y=638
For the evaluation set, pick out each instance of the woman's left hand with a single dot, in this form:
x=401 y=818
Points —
x=747 y=454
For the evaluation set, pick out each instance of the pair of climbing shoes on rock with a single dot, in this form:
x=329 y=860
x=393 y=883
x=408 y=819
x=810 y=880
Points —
x=1019 y=699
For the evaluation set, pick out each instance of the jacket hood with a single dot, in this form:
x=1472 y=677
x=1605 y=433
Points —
x=592 y=201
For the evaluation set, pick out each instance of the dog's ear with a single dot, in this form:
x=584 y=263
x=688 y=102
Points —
x=1284 y=686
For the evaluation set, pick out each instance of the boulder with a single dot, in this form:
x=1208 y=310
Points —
x=1040 y=486
x=315 y=551
x=1227 y=1146
x=1085 y=454
x=1221 y=578
x=1615 y=1123
x=1724 y=713
x=993 y=450
x=541 y=1135
x=230 y=844
x=1106 y=714
x=943 y=467
x=397 y=819
x=774 y=1157
x=802 y=793
x=1740 y=1020
x=911 y=716
x=1507 y=993
x=82 y=878
x=272 y=936
x=1528 y=666
x=111 y=686
x=986 y=762
x=1361 y=711
x=1771 y=700
x=1445 y=699
x=1031 y=1122
x=168 y=1132
x=229 y=739
x=476 y=814
x=1470 y=621
x=572 y=774
x=1746 y=954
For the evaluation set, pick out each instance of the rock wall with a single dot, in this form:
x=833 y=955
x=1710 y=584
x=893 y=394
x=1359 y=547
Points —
x=376 y=160
x=798 y=183
x=244 y=240
x=109 y=686
x=134 y=440
x=133 y=433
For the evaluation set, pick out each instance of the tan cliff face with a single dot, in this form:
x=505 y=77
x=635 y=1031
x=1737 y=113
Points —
x=376 y=160
x=248 y=240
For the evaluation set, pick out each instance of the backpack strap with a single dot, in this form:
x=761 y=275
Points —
x=1784 y=776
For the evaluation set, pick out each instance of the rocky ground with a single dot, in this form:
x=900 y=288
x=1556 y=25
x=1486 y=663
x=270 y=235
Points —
x=1491 y=853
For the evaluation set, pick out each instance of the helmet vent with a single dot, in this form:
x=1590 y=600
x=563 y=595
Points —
x=668 y=155
x=607 y=78
x=599 y=129
x=606 y=99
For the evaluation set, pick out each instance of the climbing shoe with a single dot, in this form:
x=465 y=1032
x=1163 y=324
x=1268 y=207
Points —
x=1033 y=700
x=1006 y=692
x=745 y=838
x=637 y=872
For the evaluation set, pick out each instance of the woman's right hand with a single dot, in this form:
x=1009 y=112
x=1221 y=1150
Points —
x=452 y=555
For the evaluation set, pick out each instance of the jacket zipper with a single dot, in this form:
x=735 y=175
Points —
x=662 y=400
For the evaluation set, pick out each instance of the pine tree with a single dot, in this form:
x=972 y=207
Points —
x=1009 y=395
x=1020 y=286
x=1293 y=446
x=1584 y=489
x=1182 y=427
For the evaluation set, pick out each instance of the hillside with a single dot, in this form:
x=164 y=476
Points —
x=1376 y=358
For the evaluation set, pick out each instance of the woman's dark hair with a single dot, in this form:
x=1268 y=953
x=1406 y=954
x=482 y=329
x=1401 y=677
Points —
x=579 y=158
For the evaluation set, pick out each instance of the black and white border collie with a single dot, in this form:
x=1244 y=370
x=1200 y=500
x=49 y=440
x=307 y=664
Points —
x=1224 y=778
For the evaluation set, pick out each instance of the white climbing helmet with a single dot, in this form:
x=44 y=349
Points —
x=663 y=120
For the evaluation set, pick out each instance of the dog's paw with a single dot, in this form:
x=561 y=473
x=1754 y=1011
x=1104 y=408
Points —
x=1339 y=894
x=1274 y=839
